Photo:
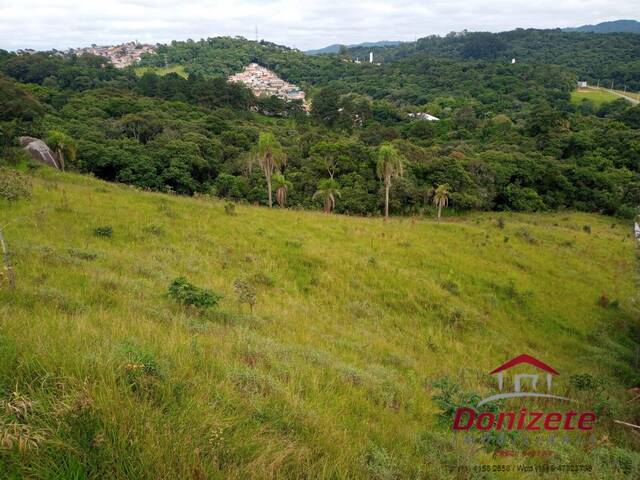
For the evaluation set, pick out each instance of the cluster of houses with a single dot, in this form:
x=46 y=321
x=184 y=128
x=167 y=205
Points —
x=120 y=56
x=263 y=82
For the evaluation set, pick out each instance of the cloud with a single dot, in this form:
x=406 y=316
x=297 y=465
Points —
x=314 y=23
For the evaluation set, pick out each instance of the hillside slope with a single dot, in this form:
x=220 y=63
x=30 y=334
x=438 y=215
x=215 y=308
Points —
x=102 y=375
x=615 y=26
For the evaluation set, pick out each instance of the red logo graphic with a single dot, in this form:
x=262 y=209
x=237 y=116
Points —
x=523 y=420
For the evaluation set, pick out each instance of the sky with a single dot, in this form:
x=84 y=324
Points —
x=306 y=24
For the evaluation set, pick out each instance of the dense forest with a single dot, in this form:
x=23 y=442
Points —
x=604 y=58
x=509 y=137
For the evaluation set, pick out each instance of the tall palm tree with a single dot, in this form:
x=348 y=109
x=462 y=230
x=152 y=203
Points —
x=328 y=190
x=390 y=166
x=441 y=197
x=63 y=146
x=281 y=186
x=270 y=156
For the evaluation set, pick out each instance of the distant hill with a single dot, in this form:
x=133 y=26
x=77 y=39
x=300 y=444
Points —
x=335 y=48
x=617 y=26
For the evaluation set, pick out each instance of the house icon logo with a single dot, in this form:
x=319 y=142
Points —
x=522 y=379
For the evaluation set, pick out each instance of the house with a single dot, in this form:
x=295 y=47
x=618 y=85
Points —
x=517 y=379
x=582 y=84
x=423 y=116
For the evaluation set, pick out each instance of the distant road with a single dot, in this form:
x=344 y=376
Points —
x=622 y=95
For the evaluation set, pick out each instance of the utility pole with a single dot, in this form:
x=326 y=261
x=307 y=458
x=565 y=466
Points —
x=256 y=33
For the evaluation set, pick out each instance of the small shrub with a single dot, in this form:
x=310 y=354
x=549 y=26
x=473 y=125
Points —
x=104 y=231
x=188 y=294
x=230 y=208
x=620 y=459
x=14 y=185
x=586 y=228
x=526 y=235
x=82 y=255
x=372 y=260
x=380 y=464
x=246 y=292
x=140 y=370
x=586 y=382
x=153 y=229
x=501 y=223
x=450 y=397
x=451 y=287
x=506 y=239
x=605 y=302
x=263 y=279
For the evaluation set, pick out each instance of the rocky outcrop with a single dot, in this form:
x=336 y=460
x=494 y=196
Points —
x=39 y=151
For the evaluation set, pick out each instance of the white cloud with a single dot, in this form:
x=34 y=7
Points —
x=310 y=24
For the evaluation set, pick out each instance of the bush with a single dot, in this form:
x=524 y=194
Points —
x=14 y=185
x=188 y=294
x=380 y=464
x=230 y=208
x=246 y=292
x=605 y=302
x=105 y=231
x=451 y=286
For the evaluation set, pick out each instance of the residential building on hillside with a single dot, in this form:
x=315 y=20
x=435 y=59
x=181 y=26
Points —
x=119 y=55
x=263 y=82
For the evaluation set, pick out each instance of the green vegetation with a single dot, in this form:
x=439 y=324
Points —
x=595 y=96
x=509 y=137
x=177 y=69
x=104 y=375
x=591 y=56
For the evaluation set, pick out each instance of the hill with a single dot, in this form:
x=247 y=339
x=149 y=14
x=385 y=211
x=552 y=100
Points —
x=335 y=48
x=331 y=375
x=619 y=26
x=590 y=56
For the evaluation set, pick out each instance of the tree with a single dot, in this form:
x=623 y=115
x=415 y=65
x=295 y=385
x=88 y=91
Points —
x=328 y=190
x=63 y=145
x=441 y=198
x=281 y=186
x=270 y=156
x=390 y=166
x=325 y=106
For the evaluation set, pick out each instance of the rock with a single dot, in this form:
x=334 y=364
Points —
x=39 y=151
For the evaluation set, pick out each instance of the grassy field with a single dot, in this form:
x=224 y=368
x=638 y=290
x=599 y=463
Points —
x=103 y=375
x=179 y=69
x=598 y=97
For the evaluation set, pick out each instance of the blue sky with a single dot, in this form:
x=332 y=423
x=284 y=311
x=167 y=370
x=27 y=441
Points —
x=303 y=24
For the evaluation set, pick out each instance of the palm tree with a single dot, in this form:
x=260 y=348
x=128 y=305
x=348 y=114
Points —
x=62 y=145
x=270 y=156
x=390 y=166
x=328 y=190
x=281 y=186
x=441 y=197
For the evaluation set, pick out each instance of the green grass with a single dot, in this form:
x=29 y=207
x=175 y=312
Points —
x=179 y=69
x=104 y=375
x=598 y=97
